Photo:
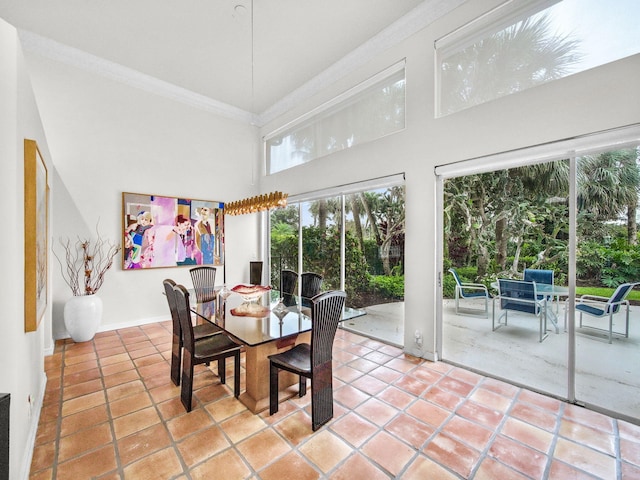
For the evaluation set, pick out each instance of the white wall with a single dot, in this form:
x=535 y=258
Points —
x=107 y=138
x=21 y=354
x=596 y=100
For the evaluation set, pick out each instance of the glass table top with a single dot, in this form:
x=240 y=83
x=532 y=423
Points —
x=264 y=320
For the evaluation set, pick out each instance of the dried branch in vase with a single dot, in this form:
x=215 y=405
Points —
x=86 y=263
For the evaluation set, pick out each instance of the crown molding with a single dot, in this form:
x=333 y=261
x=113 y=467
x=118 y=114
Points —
x=407 y=25
x=59 y=52
x=417 y=19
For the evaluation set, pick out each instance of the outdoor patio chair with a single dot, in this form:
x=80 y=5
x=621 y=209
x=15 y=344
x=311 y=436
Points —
x=468 y=291
x=539 y=276
x=601 y=307
x=313 y=360
x=522 y=297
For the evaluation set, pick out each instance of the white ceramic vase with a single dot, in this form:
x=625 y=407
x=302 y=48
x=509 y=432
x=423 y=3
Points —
x=82 y=317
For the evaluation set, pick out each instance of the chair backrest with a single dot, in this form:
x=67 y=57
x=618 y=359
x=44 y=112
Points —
x=184 y=315
x=326 y=312
x=538 y=276
x=204 y=281
x=255 y=273
x=619 y=296
x=311 y=284
x=171 y=300
x=456 y=277
x=469 y=292
x=518 y=295
x=288 y=279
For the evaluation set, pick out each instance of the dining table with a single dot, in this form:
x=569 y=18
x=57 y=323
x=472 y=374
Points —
x=265 y=326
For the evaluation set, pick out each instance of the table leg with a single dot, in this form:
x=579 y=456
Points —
x=256 y=395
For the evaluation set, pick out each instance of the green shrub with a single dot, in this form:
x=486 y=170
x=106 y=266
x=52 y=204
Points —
x=390 y=287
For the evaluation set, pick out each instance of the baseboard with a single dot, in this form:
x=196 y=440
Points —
x=33 y=430
x=132 y=323
x=118 y=326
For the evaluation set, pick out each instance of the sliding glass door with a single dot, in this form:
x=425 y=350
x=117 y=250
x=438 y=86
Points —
x=497 y=225
x=355 y=241
x=607 y=372
x=321 y=222
x=576 y=217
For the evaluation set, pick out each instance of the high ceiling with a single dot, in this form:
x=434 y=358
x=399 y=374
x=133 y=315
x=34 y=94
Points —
x=248 y=54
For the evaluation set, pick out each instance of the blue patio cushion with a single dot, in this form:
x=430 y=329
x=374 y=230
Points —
x=591 y=310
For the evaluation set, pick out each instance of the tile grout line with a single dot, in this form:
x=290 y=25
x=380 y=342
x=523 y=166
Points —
x=110 y=419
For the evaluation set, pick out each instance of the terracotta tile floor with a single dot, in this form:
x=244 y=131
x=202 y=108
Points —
x=111 y=412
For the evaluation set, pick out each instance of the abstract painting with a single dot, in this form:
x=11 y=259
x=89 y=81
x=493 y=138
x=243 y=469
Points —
x=170 y=232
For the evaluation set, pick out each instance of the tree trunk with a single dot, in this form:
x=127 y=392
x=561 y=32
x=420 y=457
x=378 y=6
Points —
x=516 y=257
x=372 y=220
x=483 y=260
x=501 y=243
x=355 y=209
x=632 y=226
x=322 y=214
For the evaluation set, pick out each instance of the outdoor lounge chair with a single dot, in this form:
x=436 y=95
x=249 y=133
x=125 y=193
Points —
x=520 y=296
x=539 y=276
x=470 y=290
x=601 y=307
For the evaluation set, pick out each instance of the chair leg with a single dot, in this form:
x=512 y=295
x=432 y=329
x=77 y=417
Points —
x=457 y=299
x=626 y=333
x=222 y=370
x=321 y=396
x=273 y=389
x=186 y=392
x=176 y=355
x=236 y=374
x=302 y=389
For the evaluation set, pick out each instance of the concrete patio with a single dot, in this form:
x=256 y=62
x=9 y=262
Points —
x=607 y=375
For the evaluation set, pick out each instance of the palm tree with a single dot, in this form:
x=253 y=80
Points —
x=521 y=56
x=518 y=57
x=608 y=187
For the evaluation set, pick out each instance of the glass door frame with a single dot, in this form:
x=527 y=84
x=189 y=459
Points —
x=567 y=149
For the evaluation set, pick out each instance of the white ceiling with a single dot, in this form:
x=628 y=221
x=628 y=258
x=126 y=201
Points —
x=219 y=51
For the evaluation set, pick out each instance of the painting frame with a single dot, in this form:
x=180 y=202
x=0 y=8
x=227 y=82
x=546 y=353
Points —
x=36 y=234
x=160 y=231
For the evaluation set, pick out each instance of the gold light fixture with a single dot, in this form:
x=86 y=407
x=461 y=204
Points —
x=257 y=204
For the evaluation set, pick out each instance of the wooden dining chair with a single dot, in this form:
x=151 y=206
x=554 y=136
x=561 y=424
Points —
x=288 y=281
x=313 y=360
x=255 y=273
x=311 y=285
x=199 y=331
x=217 y=347
x=204 y=281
